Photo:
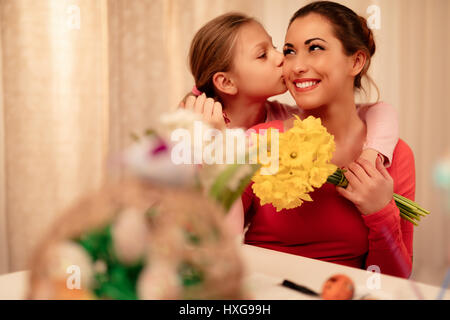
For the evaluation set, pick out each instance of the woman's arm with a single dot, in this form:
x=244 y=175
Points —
x=240 y=212
x=390 y=236
x=234 y=219
x=382 y=131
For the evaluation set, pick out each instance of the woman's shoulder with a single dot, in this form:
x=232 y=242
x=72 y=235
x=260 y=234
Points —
x=403 y=152
x=403 y=170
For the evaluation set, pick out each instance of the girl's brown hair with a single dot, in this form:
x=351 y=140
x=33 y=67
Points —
x=212 y=50
x=350 y=28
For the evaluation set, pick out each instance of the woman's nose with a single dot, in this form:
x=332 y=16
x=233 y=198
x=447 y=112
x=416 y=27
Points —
x=300 y=66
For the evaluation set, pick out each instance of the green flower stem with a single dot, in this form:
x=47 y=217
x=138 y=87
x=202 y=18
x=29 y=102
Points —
x=409 y=219
x=408 y=213
x=409 y=210
x=220 y=190
x=412 y=211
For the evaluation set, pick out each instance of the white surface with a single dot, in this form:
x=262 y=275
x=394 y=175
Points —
x=277 y=266
x=266 y=270
x=13 y=286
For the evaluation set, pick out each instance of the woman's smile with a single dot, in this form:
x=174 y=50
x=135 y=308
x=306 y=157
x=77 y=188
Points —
x=306 y=84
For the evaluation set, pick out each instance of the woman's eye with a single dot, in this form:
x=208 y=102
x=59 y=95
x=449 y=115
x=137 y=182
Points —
x=262 y=56
x=288 y=51
x=315 y=47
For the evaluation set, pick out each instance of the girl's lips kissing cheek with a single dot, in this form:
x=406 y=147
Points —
x=303 y=85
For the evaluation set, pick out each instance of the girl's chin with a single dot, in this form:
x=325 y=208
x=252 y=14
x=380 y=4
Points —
x=281 y=90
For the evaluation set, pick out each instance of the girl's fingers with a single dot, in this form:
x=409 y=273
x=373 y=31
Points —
x=182 y=105
x=208 y=109
x=381 y=169
x=199 y=104
x=217 y=114
x=368 y=167
x=190 y=102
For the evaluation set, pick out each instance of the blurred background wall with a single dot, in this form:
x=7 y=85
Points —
x=78 y=77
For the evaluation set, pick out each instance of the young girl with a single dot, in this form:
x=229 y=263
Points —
x=235 y=64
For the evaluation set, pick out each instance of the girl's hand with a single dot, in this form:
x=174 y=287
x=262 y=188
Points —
x=208 y=108
x=370 y=188
x=370 y=155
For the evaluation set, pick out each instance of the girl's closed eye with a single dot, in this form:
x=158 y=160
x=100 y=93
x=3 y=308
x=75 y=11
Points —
x=263 y=55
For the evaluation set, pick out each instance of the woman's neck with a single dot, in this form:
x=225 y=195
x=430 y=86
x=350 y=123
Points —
x=342 y=121
x=244 y=113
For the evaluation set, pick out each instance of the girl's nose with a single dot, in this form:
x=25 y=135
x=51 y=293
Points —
x=279 y=59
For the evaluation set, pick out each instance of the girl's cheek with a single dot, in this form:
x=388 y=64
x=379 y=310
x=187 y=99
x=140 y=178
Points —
x=286 y=68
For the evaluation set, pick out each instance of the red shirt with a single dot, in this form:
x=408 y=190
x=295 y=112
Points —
x=332 y=229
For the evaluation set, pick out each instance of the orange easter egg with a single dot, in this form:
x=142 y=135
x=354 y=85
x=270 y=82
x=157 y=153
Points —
x=338 y=287
x=64 y=293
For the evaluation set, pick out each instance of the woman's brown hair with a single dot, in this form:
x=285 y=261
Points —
x=350 y=28
x=212 y=50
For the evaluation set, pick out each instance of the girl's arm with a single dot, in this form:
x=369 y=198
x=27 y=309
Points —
x=382 y=131
x=382 y=127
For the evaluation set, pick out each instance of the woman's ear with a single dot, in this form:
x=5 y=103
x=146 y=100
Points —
x=223 y=82
x=359 y=61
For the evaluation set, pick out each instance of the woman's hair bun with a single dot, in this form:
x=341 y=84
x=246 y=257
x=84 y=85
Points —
x=368 y=36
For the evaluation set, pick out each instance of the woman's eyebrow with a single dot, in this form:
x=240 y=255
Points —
x=311 y=40
x=290 y=45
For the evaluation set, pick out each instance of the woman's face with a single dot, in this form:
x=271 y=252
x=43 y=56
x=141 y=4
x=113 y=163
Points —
x=258 y=66
x=316 y=69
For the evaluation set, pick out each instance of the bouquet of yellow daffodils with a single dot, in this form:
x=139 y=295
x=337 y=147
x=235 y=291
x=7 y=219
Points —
x=305 y=154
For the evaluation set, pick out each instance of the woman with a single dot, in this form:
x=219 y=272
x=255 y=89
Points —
x=327 y=52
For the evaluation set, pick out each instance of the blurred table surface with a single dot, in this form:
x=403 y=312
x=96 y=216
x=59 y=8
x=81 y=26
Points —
x=266 y=270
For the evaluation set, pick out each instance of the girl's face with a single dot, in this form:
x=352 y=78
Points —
x=257 y=66
x=316 y=69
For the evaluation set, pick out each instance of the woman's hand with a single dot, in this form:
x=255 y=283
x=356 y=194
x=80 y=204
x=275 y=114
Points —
x=370 y=188
x=208 y=108
x=234 y=220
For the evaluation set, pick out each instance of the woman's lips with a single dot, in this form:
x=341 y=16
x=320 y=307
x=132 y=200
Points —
x=304 y=85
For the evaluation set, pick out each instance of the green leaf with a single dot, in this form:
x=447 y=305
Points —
x=190 y=275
